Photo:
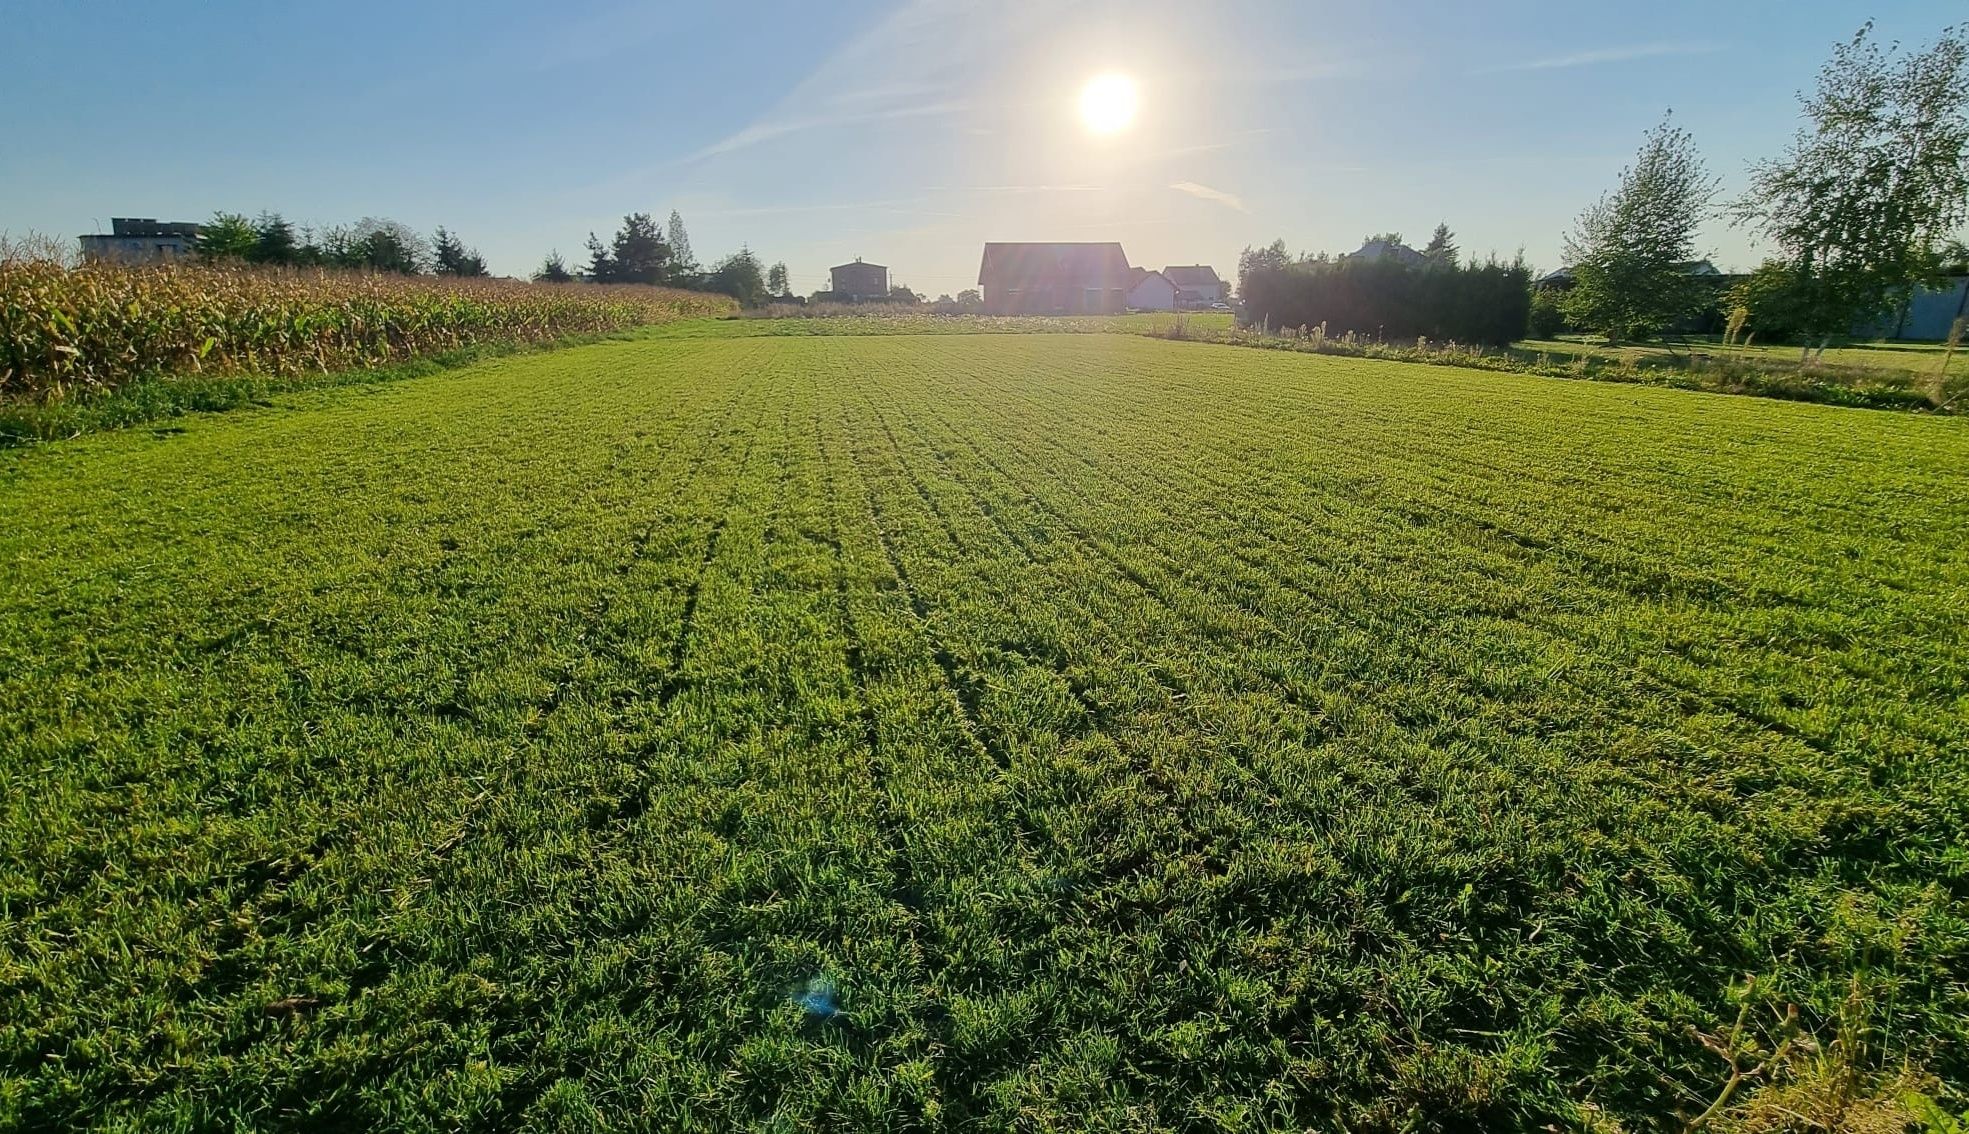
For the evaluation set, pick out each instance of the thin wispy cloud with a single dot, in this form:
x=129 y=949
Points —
x=766 y=131
x=1013 y=190
x=907 y=205
x=1596 y=56
x=1214 y=196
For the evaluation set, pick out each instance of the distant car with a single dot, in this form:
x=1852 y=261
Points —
x=1220 y=307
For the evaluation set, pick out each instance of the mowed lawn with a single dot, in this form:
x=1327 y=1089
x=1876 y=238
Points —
x=975 y=732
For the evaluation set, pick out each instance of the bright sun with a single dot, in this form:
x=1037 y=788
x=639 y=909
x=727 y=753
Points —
x=1107 y=103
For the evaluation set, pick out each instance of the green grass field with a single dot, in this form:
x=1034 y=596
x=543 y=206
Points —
x=1039 y=732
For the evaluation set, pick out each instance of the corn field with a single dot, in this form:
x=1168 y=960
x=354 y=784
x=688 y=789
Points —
x=70 y=330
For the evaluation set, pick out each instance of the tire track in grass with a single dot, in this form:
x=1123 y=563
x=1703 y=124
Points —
x=1750 y=715
x=1032 y=492
x=1030 y=489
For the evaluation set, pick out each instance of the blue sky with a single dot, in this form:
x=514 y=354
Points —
x=906 y=133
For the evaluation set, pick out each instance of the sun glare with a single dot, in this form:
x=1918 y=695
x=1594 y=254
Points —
x=1107 y=103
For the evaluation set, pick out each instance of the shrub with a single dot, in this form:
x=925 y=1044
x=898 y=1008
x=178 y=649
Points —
x=1384 y=299
x=1547 y=318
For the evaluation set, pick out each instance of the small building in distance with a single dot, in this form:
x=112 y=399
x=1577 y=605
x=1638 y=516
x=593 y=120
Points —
x=1073 y=278
x=1197 y=285
x=1150 y=291
x=859 y=282
x=142 y=240
x=1375 y=250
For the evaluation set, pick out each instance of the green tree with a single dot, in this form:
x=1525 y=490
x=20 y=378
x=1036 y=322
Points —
x=902 y=294
x=683 y=262
x=553 y=270
x=776 y=278
x=637 y=254
x=227 y=236
x=601 y=266
x=1271 y=258
x=1631 y=250
x=274 y=241
x=450 y=257
x=1441 y=250
x=1862 y=200
x=970 y=300
x=378 y=244
x=740 y=276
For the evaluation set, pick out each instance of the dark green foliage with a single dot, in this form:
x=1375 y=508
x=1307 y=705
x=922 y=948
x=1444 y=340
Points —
x=981 y=732
x=636 y=255
x=377 y=244
x=903 y=294
x=227 y=236
x=776 y=279
x=1631 y=251
x=1781 y=300
x=274 y=241
x=450 y=257
x=1441 y=250
x=1385 y=299
x=1547 y=317
x=740 y=276
x=553 y=270
x=1862 y=202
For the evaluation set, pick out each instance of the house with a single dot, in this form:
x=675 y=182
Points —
x=1386 y=250
x=1197 y=285
x=1561 y=279
x=1150 y=291
x=857 y=282
x=142 y=240
x=1054 y=279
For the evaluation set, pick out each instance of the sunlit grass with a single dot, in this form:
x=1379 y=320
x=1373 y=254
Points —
x=986 y=732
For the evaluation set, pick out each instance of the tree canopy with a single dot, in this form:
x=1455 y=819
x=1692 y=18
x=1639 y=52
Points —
x=1631 y=250
x=1861 y=203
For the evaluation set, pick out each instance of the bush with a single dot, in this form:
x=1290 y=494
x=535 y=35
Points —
x=1548 y=318
x=1384 y=299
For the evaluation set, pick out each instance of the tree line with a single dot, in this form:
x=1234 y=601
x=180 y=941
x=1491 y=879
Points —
x=1861 y=208
x=639 y=253
x=1865 y=205
x=1400 y=294
x=372 y=243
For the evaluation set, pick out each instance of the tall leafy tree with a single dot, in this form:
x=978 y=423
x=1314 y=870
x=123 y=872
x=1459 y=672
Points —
x=1441 y=249
x=1860 y=203
x=450 y=257
x=553 y=270
x=740 y=276
x=1272 y=257
x=776 y=278
x=683 y=263
x=227 y=236
x=1631 y=250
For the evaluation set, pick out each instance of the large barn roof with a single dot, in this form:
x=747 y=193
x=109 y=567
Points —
x=1102 y=260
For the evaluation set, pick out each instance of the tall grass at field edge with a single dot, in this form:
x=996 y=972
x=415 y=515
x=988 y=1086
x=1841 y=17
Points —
x=160 y=397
